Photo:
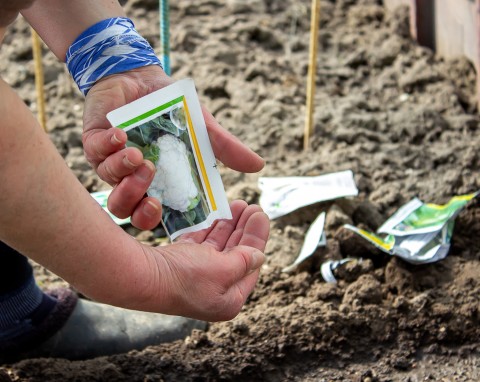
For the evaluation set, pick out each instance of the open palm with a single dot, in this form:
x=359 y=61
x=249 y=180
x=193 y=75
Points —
x=209 y=274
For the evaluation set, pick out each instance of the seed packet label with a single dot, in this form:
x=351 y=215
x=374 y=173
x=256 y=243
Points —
x=102 y=198
x=282 y=195
x=167 y=126
x=417 y=217
x=415 y=249
x=418 y=233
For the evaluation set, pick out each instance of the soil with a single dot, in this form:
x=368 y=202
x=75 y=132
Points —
x=404 y=120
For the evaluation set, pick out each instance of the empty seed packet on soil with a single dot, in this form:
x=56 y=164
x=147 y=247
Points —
x=282 y=195
x=314 y=238
x=418 y=232
x=167 y=126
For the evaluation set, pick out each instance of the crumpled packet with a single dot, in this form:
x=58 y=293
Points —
x=327 y=268
x=314 y=238
x=282 y=195
x=102 y=198
x=418 y=232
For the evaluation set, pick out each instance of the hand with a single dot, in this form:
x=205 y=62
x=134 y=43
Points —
x=125 y=168
x=209 y=274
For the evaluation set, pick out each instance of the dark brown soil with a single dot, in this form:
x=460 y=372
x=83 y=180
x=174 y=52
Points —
x=403 y=120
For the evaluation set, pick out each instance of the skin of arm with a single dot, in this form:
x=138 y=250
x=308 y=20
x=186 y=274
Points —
x=48 y=215
x=60 y=22
x=9 y=11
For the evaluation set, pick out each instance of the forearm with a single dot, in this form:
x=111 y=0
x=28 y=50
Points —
x=9 y=10
x=49 y=216
x=60 y=22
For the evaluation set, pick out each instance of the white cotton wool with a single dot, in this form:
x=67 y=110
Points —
x=173 y=184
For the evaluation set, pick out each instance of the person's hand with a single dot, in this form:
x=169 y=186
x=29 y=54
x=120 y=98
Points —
x=209 y=274
x=125 y=168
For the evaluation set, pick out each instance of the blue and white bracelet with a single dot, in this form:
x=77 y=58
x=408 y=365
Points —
x=108 y=47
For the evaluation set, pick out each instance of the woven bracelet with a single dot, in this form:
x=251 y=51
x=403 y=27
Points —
x=108 y=47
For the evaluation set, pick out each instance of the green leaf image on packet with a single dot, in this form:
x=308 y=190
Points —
x=167 y=126
x=418 y=232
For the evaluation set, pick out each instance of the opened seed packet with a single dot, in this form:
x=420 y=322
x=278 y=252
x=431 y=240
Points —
x=167 y=126
x=282 y=195
x=314 y=238
x=418 y=232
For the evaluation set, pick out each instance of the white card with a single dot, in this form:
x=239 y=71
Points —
x=168 y=127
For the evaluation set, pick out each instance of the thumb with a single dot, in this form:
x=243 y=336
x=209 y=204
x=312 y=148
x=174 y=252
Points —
x=244 y=260
x=242 y=265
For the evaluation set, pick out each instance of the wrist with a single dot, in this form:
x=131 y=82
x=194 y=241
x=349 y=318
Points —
x=124 y=269
x=108 y=47
x=134 y=83
x=145 y=284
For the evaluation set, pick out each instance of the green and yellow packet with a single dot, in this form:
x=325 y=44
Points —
x=168 y=127
x=418 y=232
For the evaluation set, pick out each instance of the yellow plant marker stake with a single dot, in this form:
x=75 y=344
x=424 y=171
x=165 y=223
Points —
x=39 y=79
x=312 y=68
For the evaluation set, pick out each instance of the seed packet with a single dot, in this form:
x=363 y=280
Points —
x=328 y=267
x=167 y=126
x=314 y=238
x=418 y=232
x=282 y=195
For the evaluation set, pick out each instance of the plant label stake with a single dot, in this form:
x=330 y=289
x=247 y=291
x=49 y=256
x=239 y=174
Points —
x=165 y=35
x=39 y=79
x=312 y=67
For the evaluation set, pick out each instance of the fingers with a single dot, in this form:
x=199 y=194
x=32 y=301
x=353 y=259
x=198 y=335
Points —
x=256 y=231
x=147 y=214
x=130 y=191
x=248 y=226
x=119 y=165
x=244 y=260
x=252 y=230
x=218 y=234
x=100 y=143
x=197 y=281
x=130 y=173
x=106 y=151
x=245 y=254
x=229 y=149
x=242 y=265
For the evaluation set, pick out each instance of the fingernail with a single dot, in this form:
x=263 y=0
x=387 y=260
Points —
x=115 y=140
x=144 y=172
x=127 y=162
x=258 y=258
x=150 y=208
